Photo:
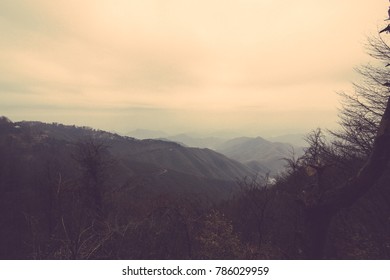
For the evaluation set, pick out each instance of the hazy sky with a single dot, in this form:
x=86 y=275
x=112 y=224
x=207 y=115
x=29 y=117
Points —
x=254 y=67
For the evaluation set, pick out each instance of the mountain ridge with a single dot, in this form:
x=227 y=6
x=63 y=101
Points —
x=164 y=165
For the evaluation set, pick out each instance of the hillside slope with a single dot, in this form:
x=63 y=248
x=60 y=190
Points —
x=135 y=160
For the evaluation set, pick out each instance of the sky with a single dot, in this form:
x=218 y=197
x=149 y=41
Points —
x=239 y=67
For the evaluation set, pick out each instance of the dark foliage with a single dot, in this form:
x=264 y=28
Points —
x=63 y=198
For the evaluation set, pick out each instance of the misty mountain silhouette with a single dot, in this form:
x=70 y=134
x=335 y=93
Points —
x=154 y=165
x=258 y=153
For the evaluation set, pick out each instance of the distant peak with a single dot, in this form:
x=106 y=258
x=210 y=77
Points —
x=260 y=138
x=4 y=119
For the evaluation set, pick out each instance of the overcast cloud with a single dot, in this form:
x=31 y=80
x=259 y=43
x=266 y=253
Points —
x=255 y=67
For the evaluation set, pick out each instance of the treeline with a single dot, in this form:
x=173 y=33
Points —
x=62 y=200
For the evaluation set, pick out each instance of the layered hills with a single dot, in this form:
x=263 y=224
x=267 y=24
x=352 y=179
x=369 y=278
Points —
x=155 y=165
x=260 y=155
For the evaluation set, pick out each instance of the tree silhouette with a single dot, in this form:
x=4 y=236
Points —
x=320 y=211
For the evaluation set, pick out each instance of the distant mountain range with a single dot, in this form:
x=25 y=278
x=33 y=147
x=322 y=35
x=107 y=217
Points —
x=260 y=155
x=155 y=166
x=183 y=139
x=208 y=167
x=189 y=141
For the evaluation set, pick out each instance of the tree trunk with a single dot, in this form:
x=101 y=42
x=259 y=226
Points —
x=316 y=228
x=319 y=214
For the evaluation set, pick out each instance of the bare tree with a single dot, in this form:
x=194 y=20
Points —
x=92 y=157
x=362 y=110
x=84 y=229
x=257 y=197
x=365 y=121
